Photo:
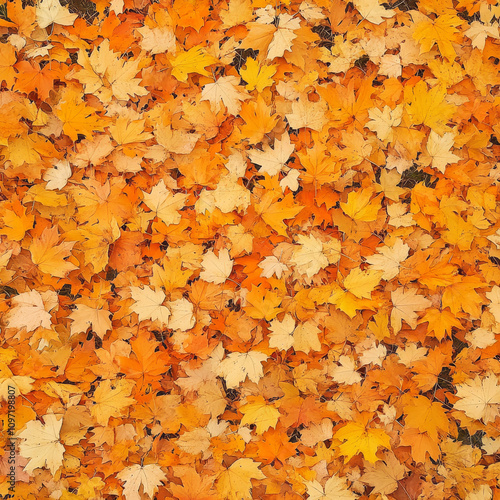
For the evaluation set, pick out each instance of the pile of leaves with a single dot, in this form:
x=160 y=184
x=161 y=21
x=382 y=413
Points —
x=250 y=249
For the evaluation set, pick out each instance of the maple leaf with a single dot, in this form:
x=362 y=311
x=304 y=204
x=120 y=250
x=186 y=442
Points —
x=274 y=212
x=258 y=118
x=357 y=438
x=84 y=316
x=360 y=206
x=57 y=176
x=345 y=372
x=440 y=322
x=17 y=384
x=235 y=482
x=481 y=338
x=41 y=444
x=479 y=32
x=335 y=489
x=273 y=160
x=362 y=283
x=148 y=304
x=372 y=11
x=494 y=298
x=194 y=60
x=51 y=11
x=148 y=476
x=110 y=399
x=439 y=150
x=309 y=259
x=479 y=398
x=28 y=311
x=257 y=411
x=195 y=441
x=281 y=333
x=15 y=221
x=263 y=304
x=305 y=337
x=216 y=269
x=238 y=365
x=406 y=303
x=306 y=114
x=385 y=476
x=257 y=76
x=389 y=259
x=164 y=203
x=441 y=31
x=50 y=257
x=383 y=121
x=77 y=117
x=194 y=487
x=105 y=65
x=429 y=107
x=320 y=168
x=426 y=416
x=226 y=91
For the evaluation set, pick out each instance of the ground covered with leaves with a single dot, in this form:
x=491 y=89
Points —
x=250 y=249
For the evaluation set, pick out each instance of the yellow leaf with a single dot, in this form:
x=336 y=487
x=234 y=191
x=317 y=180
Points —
x=77 y=117
x=357 y=438
x=362 y=283
x=195 y=441
x=281 y=336
x=170 y=275
x=307 y=114
x=345 y=372
x=263 y=304
x=125 y=131
x=216 y=269
x=182 y=317
x=273 y=160
x=257 y=76
x=227 y=91
x=28 y=311
x=274 y=213
x=429 y=106
x=111 y=398
x=335 y=489
x=305 y=338
x=41 y=194
x=319 y=167
x=479 y=398
x=16 y=222
x=426 y=416
x=40 y=443
x=440 y=322
x=84 y=316
x=165 y=204
x=389 y=259
x=51 y=11
x=438 y=148
x=441 y=31
x=259 y=120
x=48 y=256
x=309 y=257
x=148 y=304
x=192 y=61
x=238 y=365
x=385 y=476
x=235 y=482
x=261 y=413
x=148 y=476
x=372 y=11
x=360 y=207
x=406 y=303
